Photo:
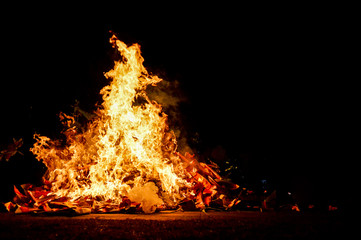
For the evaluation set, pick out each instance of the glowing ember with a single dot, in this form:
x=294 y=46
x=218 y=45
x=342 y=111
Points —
x=125 y=157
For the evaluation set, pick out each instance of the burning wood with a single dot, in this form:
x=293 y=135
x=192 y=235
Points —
x=124 y=159
x=205 y=191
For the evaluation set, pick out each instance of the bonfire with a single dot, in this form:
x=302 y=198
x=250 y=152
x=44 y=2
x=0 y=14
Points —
x=125 y=159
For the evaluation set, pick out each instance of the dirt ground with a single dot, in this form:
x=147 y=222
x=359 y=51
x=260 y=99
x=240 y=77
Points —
x=177 y=225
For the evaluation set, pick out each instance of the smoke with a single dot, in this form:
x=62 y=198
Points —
x=147 y=196
x=170 y=96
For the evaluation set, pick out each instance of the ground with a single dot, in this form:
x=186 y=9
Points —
x=176 y=225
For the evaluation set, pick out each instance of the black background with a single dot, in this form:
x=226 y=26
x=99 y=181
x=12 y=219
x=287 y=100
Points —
x=272 y=88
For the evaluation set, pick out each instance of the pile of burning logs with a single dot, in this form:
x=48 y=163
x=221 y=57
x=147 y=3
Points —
x=208 y=191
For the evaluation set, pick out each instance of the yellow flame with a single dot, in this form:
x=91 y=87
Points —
x=126 y=146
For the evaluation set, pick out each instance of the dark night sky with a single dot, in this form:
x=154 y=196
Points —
x=268 y=85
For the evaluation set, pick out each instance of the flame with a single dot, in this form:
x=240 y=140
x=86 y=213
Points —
x=124 y=148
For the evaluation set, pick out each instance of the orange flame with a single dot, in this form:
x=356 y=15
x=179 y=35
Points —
x=126 y=150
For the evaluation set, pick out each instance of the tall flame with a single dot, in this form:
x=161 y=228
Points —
x=126 y=148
